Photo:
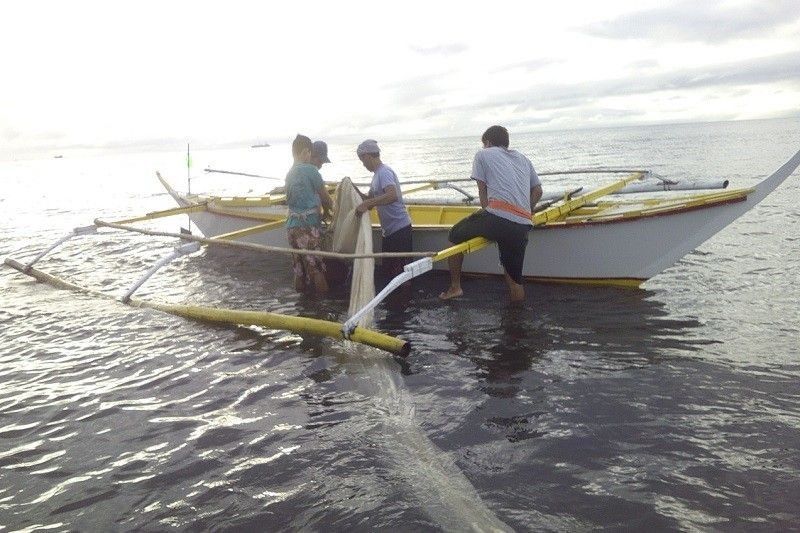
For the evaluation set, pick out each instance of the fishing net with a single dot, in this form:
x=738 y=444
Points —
x=432 y=476
x=352 y=233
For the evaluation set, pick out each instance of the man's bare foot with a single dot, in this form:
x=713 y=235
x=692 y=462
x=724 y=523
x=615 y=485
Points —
x=517 y=293
x=451 y=292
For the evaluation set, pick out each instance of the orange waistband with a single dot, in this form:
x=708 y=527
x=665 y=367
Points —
x=509 y=208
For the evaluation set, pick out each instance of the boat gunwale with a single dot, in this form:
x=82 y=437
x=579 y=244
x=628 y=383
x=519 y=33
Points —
x=613 y=219
x=731 y=197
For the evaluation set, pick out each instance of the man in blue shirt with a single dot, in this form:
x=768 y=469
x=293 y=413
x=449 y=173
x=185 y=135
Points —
x=384 y=195
x=305 y=194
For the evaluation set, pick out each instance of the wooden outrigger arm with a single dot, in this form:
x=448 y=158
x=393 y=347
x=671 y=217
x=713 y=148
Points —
x=425 y=264
x=83 y=230
x=179 y=251
x=227 y=240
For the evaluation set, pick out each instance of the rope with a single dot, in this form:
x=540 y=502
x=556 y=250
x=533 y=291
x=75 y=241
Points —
x=259 y=247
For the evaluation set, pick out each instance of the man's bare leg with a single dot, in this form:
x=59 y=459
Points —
x=454 y=290
x=299 y=280
x=320 y=283
x=515 y=290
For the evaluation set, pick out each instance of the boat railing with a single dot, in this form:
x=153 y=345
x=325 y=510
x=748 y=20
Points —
x=656 y=183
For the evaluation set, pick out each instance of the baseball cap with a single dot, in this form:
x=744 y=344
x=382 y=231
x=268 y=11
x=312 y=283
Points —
x=370 y=146
x=320 y=149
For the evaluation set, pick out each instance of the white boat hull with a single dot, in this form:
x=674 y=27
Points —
x=617 y=252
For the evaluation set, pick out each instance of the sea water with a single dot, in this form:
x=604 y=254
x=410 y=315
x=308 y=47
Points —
x=675 y=406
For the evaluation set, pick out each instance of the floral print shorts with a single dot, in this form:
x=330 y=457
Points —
x=306 y=238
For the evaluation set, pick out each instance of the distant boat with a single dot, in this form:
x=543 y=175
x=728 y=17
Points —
x=262 y=145
x=57 y=156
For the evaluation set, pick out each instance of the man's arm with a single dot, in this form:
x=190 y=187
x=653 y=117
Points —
x=484 y=196
x=325 y=199
x=536 y=193
x=361 y=194
x=389 y=196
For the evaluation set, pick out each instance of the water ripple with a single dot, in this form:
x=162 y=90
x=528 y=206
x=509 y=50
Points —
x=674 y=407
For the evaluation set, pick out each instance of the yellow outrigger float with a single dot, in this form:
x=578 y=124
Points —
x=577 y=238
x=300 y=325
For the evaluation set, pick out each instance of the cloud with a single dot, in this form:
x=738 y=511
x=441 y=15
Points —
x=529 y=66
x=559 y=104
x=441 y=50
x=775 y=69
x=417 y=90
x=708 y=21
x=9 y=134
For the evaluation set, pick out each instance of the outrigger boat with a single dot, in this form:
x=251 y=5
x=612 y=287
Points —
x=579 y=237
x=588 y=237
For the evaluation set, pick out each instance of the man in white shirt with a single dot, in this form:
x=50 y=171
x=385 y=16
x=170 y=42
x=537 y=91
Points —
x=509 y=189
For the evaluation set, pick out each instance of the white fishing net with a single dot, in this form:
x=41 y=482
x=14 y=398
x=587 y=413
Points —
x=353 y=234
x=432 y=476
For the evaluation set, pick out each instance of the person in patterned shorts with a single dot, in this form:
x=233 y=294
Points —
x=308 y=202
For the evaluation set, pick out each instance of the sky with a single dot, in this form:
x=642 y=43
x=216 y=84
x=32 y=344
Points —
x=116 y=74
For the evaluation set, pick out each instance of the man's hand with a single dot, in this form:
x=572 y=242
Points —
x=362 y=208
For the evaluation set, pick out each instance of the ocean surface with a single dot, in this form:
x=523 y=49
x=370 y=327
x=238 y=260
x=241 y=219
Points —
x=672 y=407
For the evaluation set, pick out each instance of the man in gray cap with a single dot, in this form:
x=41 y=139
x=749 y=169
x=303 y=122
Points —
x=384 y=195
x=319 y=154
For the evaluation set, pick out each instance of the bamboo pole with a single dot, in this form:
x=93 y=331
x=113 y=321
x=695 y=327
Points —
x=241 y=174
x=423 y=265
x=258 y=247
x=165 y=213
x=542 y=217
x=296 y=324
x=454 y=180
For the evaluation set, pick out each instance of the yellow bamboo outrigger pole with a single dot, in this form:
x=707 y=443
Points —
x=543 y=217
x=425 y=264
x=295 y=324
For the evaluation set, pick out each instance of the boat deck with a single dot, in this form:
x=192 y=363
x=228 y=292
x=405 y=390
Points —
x=432 y=216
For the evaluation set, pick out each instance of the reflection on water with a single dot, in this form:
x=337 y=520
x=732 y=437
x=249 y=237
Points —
x=670 y=408
x=601 y=395
x=618 y=328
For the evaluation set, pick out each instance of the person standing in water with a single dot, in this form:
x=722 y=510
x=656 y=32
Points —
x=384 y=195
x=509 y=189
x=305 y=195
x=319 y=154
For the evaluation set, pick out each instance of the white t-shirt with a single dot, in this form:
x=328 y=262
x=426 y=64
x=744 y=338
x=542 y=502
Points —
x=509 y=177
